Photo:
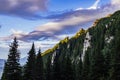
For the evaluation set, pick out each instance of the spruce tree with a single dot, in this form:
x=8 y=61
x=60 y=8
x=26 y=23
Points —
x=29 y=69
x=79 y=70
x=69 y=69
x=39 y=66
x=115 y=63
x=48 y=69
x=12 y=69
x=97 y=68
x=86 y=65
x=56 y=67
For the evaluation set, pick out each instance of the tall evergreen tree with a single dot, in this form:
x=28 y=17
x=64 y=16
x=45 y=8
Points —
x=56 y=66
x=115 y=70
x=12 y=69
x=69 y=69
x=79 y=70
x=29 y=69
x=86 y=65
x=39 y=66
x=4 y=73
x=97 y=68
x=48 y=69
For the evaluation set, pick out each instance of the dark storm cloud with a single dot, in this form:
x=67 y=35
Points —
x=22 y=8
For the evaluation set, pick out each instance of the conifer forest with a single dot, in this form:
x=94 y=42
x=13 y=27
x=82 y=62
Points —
x=91 y=54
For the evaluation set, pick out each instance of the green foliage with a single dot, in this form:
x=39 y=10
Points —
x=48 y=72
x=101 y=60
x=29 y=69
x=39 y=67
x=12 y=69
x=86 y=66
x=67 y=59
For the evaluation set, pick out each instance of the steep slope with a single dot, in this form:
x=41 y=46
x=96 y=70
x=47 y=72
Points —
x=85 y=38
x=100 y=44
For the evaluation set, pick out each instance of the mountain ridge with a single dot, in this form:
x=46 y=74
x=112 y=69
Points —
x=90 y=52
x=96 y=22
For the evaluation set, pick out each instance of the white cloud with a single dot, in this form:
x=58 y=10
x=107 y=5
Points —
x=95 y=5
x=4 y=44
x=115 y=5
x=49 y=26
x=70 y=21
x=17 y=33
x=80 y=9
x=38 y=44
x=114 y=2
x=13 y=31
x=58 y=28
x=24 y=47
x=66 y=24
x=65 y=35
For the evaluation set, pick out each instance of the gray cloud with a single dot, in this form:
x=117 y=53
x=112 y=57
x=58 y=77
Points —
x=67 y=23
x=22 y=8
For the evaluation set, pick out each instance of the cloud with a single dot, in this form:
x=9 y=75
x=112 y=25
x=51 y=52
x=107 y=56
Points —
x=22 y=8
x=66 y=23
x=95 y=5
x=75 y=12
x=13 y=31
x=24 y=47
x=72 y=21
x=114 y=2
x=63 y=24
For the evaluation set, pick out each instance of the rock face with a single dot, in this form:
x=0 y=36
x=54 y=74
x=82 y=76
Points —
x=86 y=44
x=98 y=37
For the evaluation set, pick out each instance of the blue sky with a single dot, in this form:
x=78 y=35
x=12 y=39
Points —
x=46 y=22
x=60 y=5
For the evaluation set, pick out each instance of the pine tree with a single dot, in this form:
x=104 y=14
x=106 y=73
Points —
x=86 y=65
x=69 y=69
x=4 y=73
x=62 y=65
x=79 y=70
x=12 y=69
x=107 y=53
x=115 y=63
x=56 y=67
x=29 y=69
x=97 y=68
x=48 y=69
x=39 y=66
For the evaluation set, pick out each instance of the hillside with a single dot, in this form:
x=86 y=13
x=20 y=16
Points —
x=93 y=54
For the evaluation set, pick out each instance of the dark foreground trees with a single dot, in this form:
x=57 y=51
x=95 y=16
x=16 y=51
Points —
x=33 y=69
x=39 y=67
x=29 y=69
x=12 y=69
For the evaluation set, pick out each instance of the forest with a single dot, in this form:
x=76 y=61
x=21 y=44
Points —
x=92 y=54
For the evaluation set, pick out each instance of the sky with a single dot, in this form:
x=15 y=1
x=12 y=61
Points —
x=46 y=22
